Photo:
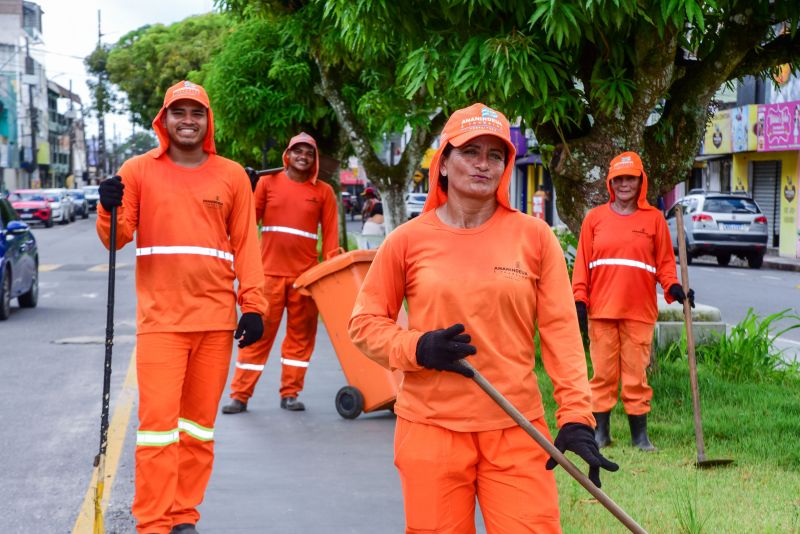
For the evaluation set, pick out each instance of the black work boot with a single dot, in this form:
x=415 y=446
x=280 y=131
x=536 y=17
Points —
x=292 y=404
x=184 y=528
x=639 y=437
x=602 y=433
x=236 y=406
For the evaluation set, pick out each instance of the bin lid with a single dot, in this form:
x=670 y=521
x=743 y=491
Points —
x=333 y=265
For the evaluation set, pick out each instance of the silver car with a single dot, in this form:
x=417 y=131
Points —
x=61 y=204
x=92 y=196
x=721 y=225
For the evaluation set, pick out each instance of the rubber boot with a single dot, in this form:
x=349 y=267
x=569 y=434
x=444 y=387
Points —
x=602 y=433
x=639 y=437
x=236 y=406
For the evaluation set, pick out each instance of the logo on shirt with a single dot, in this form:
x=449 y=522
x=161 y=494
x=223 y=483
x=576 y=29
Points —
x=213 y=204
x=641 y=232
x=312 y=199
x=516 y=273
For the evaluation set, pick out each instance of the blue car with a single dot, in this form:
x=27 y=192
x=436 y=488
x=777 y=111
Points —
x=19 y=262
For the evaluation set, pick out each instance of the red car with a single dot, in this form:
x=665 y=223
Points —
x=32 y=206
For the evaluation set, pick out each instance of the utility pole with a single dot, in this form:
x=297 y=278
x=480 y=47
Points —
x=71 y=123
x=101 y=118
x=31 y=71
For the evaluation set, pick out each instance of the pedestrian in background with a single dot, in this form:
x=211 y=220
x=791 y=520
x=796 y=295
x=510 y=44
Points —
x=371 y=199
x=478 y=277
x=623 y=250
x=192 y=213
x=290 y=205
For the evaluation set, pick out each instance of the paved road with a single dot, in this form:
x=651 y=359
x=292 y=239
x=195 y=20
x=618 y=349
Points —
x=310 y=472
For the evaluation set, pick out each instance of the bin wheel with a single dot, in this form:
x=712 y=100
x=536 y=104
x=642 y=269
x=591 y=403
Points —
x=349 y=402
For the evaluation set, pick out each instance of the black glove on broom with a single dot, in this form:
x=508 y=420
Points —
x=583 y=317
x=579 y=438
x=441 y=349
x=250 y=329
x=676 y=292
x=110 y=191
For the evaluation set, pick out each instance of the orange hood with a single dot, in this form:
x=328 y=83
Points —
x=183 y=91
x=629 y=164
x=303 y=137
x=463 y=125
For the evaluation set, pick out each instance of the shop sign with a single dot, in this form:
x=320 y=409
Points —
x=717 y=139
x=778 y=127
x=743 y=129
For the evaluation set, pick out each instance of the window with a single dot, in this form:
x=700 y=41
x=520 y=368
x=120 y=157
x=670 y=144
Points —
x=730 y=205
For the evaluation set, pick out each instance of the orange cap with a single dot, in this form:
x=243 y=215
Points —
x=303 y=137
x=626 y=164
x=183 y=90
x=186 y=90
x=463 y=125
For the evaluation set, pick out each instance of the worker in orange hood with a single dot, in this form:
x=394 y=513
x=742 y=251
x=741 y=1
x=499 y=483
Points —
x=623 y=250
x=291 y=205
x=478 y=277
x=192 y=213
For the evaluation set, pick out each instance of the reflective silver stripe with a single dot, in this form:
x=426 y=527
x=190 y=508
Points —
x=157 y=439
x=200 y=251
x=293 y=363
x=287 y=230
x=196 y=431
x=622 y=261
x=249 y=366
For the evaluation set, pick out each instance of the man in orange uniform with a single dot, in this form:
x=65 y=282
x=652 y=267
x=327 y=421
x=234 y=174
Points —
x=290 y=205
x=192 y=213
x=624 y=248
x=472 y=262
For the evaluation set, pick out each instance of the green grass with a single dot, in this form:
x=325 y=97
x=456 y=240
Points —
x=758 y=425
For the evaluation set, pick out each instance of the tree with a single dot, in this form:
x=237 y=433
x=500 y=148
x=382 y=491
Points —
x=591 y=77
x=146 y=62
x=102 y=96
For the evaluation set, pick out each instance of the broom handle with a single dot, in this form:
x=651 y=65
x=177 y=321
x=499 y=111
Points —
x=687 y=314
x=557 y=455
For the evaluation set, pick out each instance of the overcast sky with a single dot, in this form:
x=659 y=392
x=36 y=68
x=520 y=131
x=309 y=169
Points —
x=70 y=34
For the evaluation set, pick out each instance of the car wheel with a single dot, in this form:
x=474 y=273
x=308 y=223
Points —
x=31 y=298
x=5 y=295
x=755 y=260
x=85 y=214
x=72 y=217
x=723 y=259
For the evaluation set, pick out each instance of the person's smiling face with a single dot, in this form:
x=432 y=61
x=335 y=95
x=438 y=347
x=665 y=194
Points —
x=186 y=122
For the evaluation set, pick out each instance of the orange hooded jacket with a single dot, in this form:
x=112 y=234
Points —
x=502 y=280
x=620 y=257
x=186 y=262
x=290 y=213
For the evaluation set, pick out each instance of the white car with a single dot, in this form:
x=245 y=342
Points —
x=61 y=204
x=92 y=196
x=414 y=203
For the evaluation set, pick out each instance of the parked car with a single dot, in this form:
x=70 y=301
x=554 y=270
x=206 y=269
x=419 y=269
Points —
x=349 y=205
x=19 y=262
x=61 y=203
x=32 y=206
x=721 y=225
x=414 y=203
x=80 y=202
x=92 y=193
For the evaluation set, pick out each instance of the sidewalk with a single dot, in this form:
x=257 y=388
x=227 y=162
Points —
x=781 y=263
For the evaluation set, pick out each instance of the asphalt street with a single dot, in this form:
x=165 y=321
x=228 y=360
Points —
x=276 y=471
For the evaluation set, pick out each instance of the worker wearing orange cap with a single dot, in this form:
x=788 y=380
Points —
x=192 y=213
x=291 y=205
x=478 y=278
x=623 y=250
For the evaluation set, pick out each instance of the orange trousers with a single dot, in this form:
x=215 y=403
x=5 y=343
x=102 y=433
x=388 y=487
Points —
x=181 y=379
x=301 y=332
x=443 y=471
x=620 y=349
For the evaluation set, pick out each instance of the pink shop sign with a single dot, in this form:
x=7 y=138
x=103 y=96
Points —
x=778 y=127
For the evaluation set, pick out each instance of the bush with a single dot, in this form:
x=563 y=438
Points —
x=569 y=244
x=747 y=353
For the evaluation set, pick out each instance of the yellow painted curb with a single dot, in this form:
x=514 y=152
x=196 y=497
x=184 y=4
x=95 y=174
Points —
x=47 y=267
x=117 y=429
x=103 y=267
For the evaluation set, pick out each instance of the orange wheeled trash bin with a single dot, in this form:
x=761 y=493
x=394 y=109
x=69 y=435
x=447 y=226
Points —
x=334 y=284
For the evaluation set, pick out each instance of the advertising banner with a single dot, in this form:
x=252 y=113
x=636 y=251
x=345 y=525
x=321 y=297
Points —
x=717 y=138
x=743 y=128
x=778 y=127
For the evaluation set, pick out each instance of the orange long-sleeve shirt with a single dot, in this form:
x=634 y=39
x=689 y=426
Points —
x=290 y=213
x=195 y=233
x=501 y=280
x=619 y=260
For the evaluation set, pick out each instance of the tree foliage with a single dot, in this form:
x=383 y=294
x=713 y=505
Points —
x=145 y=62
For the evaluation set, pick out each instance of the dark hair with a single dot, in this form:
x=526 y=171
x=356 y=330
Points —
x=377 y=209
x=443 y=179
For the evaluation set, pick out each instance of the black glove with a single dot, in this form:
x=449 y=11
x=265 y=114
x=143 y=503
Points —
x=676 y=292
x=579 y=438
x=583 y=317
x=251 y=325
x=441 y=349
x=110 y=192
x=251 y=173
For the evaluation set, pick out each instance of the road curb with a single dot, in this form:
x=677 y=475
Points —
x=782 y=265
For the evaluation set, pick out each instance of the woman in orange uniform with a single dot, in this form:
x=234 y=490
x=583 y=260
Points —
x=623 y=250
x=192 y=213
x=479 y=277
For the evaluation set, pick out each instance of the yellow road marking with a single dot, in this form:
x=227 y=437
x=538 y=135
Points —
x=117 y=429
x=103 y=267
x=47 y=267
